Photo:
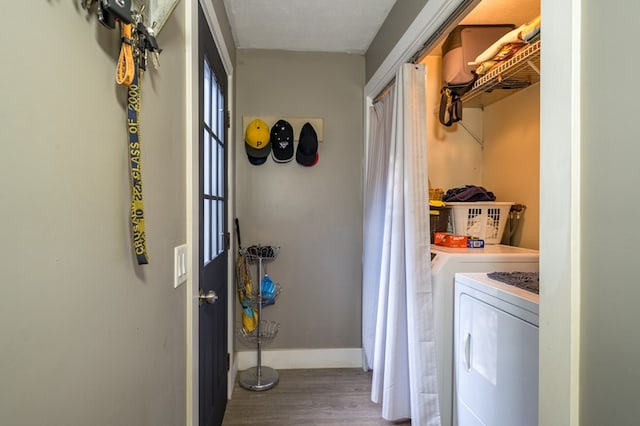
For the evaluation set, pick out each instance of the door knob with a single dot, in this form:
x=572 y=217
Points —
x=210 y=297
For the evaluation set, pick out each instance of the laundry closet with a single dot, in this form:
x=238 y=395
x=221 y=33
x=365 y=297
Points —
x=496 y=144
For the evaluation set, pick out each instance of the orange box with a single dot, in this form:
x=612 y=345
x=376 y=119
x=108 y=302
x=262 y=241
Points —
x=450 y=240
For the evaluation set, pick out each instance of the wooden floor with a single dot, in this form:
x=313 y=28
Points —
x=309 y=397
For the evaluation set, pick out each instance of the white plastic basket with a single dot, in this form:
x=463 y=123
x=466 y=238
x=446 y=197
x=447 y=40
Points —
x=484 y=220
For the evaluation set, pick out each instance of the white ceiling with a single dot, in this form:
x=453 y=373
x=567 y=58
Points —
x=340 y=25
x=307 y=25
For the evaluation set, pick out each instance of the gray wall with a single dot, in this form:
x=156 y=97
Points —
x=315 y=213
x=87 y=336
x=401 y=16
x=610 y=176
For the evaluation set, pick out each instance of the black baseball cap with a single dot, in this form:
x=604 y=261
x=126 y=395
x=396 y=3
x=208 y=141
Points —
x=307 y=152
x=282 y=142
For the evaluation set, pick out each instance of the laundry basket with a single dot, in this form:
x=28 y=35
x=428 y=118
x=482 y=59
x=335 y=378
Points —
x=483 y=220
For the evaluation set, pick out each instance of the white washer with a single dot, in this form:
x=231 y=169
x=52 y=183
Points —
x=445 y=263
x=496 y=353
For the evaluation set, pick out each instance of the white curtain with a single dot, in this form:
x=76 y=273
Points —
x=376 y=173
x=403 y=360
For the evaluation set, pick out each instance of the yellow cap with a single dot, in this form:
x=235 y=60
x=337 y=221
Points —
x=257 y=134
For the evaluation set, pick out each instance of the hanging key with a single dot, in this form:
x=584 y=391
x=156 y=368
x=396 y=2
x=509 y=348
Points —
x=155 y=58
x=149 y=36
x=140 y=51
x=150 y=44
x=156 y=53
x=143 y=61
x=152 y=47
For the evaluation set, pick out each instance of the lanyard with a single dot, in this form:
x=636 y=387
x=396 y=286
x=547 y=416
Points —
x=125 y=69
x=135 y=160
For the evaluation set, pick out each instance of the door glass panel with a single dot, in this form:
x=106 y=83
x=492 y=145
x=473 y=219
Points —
x=220 y=226
x=207 y=231
x=220 y=115
x=207 y=93
x=220 y=170
x=215 y=229
x=214 y=166
x=207 y=162
x=214 y=105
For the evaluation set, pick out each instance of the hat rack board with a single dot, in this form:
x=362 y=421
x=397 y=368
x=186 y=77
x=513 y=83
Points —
x=296 y=123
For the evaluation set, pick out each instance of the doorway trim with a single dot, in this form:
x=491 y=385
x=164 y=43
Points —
x=192 y=197
x=559 y=384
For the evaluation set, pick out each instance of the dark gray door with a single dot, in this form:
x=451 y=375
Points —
x=213 y=229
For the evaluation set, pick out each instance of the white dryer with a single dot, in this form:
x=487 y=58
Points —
x=445 y=263
x=496 y=352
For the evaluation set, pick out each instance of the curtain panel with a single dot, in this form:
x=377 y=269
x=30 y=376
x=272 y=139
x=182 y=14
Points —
x=403 y=360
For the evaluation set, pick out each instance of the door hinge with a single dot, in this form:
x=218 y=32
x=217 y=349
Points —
x=228 y=361
x=227 y=119
x=227 y=239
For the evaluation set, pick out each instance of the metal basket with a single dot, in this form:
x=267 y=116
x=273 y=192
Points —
x=256 y=252
x=264 y=334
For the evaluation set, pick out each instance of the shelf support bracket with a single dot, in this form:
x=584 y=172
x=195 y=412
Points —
x=477 y=139
x=533 y=67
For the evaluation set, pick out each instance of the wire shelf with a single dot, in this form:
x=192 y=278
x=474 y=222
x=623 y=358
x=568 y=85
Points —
x=258 y=252
x=268 y=299
x=518 y=72
x=249 y=288
x=264 y=334
x=255 y=297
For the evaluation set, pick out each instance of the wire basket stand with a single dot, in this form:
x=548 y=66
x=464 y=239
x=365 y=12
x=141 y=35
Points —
x=260 y=377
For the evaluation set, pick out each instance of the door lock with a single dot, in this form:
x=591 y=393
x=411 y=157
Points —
x=210 y=297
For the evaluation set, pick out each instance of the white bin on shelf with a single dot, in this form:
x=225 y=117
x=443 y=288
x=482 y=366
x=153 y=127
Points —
x=482 y=219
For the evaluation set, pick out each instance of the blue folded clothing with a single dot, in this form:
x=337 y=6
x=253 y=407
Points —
x=468 y=193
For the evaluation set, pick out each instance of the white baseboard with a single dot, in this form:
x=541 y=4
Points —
x=231 y=375
x=285 y=359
